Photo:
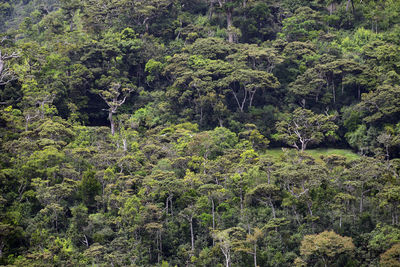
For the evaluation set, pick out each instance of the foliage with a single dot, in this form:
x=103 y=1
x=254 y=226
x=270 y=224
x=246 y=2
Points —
x=202 y=98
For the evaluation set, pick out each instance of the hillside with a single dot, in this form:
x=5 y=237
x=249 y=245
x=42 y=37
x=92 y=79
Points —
x=199 y=133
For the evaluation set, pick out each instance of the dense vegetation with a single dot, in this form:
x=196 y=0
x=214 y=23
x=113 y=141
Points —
x=163 y=133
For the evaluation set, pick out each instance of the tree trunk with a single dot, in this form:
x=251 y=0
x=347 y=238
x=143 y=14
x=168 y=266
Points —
x=210 y=10
x=170 y=205
x=229 y=24
x=387 y=152
x=303 y=145
x=191 y=233
x=213 y=213
x=309 y=208
x=227 y=260
x=241 y=204
x=273 y=208
x=110 y=118
x=124 y=144
x=255 y=255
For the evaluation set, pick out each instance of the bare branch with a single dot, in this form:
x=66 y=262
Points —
x=6 y=74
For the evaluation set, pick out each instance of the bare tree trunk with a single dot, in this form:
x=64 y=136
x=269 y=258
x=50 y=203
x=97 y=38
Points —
x=273 y=208
x=227 y=259
x=110 y=118
x=191 y=233
x=124 y=144
x=309 y=208
x=210 y=10
x=255 y=255
x=303 y=145
x=170 y=204
x=229 y=24
x=241 y=203
x=251 y=98
x=213 y=213
x=238 y=103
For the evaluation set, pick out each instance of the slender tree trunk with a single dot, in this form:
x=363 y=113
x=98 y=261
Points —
x=255 y=255
x=227 y=259
x=124 y=144
x=210 y=10
x=387 y=152
x=241 y=204
x=170 y=205
x=213 y=213
x=296 y=215
x=229 y=24
x=191 y=233
x=237 y=101
x=110 y=118
x=273 y=208
x=342 y=87
x=309 y=208
x=251 y=98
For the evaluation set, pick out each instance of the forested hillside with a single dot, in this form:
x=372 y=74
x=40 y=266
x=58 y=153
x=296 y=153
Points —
x=200 y=133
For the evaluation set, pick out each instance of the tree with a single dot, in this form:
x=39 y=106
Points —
x=6 y=73
x=252 y=72
x=363 y=178
x=388 y=139
x=227 y=240
x=245 y=83
x=391 y=257
x=381 y=105
x=114 y=97
x=326 y=246
x=266 y=194
x=303 y=127
x=228 y=6
x=188 y=214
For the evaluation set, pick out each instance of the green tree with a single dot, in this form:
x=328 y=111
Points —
x=390 y=257
x=114 y=97
x=303 y=127
x=326 y=246
x=6 y=72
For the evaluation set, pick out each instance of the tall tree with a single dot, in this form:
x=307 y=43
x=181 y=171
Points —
x=114 y=97
x=303 y=127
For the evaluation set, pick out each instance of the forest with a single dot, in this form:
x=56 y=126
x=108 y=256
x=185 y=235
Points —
x=200 y=133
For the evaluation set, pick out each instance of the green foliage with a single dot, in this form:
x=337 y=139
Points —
x=89 y=188
x=325 y=246
x=303 y=127
x=199 y=96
